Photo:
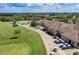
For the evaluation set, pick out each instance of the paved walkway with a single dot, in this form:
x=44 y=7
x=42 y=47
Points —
x=49 y=42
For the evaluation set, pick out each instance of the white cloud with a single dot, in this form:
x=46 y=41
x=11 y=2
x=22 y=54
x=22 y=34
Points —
x=77 y=5
x=34 y=4
x=41 y=7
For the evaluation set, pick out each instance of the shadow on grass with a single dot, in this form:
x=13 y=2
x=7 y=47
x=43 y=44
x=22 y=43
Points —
x=14 y=38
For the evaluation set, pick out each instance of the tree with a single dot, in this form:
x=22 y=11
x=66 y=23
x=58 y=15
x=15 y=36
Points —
x=14 y=23
x=34 y=23
x=3 y=18
x=17 y=32
x=74 y=19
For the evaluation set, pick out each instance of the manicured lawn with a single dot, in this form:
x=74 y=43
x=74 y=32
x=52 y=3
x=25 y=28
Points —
x=29 y=42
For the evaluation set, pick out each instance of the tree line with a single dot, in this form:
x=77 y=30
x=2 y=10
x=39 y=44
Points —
x=62 y=17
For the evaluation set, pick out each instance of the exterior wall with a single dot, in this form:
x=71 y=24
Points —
x=67 y=40
x=52 y=32
x=78 y=45
x=75 y=44
x=57 y=33
x=63 y=37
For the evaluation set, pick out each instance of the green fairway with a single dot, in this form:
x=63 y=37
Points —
x=23 y=22
x=29 y=42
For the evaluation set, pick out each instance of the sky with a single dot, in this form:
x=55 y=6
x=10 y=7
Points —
x=39 y=7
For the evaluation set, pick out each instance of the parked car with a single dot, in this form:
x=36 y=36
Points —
x=57 y=38
x=55 y=49
x=64 y=47
x=51 y=53
x=54 y=37
x=68 y=45
x=61 y=45
x=57 y=41
x=61 y=41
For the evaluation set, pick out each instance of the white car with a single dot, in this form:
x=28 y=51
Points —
x=57 y=38
x=62 y=41
x=66 y=43
x=57 y=41
x=61 y=45
x=51 y=53
x=64 y=47
x=69 y=46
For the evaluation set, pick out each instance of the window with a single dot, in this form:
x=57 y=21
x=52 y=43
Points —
x=78 y=44
x=72 y=43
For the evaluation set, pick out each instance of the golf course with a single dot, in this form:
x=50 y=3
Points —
x=27 y=43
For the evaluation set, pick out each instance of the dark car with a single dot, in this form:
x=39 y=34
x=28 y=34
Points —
x=55 y=49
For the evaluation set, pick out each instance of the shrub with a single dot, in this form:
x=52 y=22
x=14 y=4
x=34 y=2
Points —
x=76 y=53
x=14 y=23
x=34 y=23
x=17 y=32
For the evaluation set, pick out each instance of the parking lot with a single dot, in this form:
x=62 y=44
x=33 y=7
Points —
x=63 y=44
x=59 y=46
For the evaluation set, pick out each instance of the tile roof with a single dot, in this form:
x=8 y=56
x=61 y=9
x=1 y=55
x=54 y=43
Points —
x=71 y=31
